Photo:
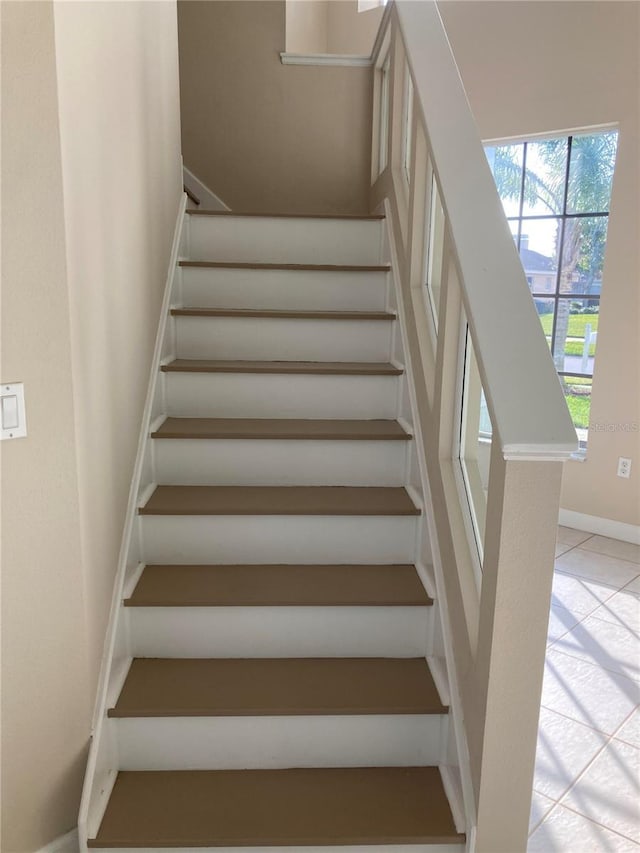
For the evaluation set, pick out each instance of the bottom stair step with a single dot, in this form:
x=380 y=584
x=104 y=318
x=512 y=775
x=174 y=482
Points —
x=293 y=808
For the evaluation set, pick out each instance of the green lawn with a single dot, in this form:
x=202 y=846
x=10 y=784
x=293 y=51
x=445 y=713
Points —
x=577 y=322
x=576 y=347
x=579 y=408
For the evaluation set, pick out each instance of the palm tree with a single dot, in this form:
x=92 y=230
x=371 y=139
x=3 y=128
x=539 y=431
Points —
x=586 y=188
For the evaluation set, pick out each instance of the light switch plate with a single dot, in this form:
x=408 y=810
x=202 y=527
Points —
x=13 y=419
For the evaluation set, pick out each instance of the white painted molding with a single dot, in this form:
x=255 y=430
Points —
x=208 y=199
x=64 y=844
x=600 y=526
x=87 y=803
x=453 y=789
x=343 y=60
x=428 y=518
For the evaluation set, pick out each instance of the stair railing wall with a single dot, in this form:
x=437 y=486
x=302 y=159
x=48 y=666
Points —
x=490 y=418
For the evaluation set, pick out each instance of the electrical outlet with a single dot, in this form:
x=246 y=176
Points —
x=624 y=467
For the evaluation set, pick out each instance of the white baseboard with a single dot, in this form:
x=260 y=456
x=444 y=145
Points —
x=64 y=844
x=600 y=526
x=208 y=199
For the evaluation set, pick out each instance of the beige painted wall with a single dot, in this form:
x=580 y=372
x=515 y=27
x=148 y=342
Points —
x=90 y=191
x=538 y=67
x=122 y=185
x=306 y=26
x=46 y=698
x=263 y=136
x=331 y=26
x=350 y=31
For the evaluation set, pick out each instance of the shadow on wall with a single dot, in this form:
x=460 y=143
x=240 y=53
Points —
x=265 y=137
x=332 y=26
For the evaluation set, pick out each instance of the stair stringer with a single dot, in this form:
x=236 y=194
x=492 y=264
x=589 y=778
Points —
x=102 y=765
x=455 y=767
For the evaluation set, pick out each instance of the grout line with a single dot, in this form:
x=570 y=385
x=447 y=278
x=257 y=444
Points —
x=618 y=624
x=600 y=666
x=623 y=723
x=595 y=666
x=581 y=723
x=557 y=804
x=591 y=580
x=607 y=556
x=584 y=770
x=596 y=823
x=533 y=828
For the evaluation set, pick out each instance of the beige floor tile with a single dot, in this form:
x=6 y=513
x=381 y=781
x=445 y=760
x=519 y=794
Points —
x=630 y=731
x=569 y=536
x=609 y=791
x=564 y=831
x=565 y=748
x=634 y=586
x=562 y=548
x=613 y=548
x=598 y=567
x=560 y=621
x=587 y=693
x=610 y=646
x=621 y=609
x=579 y=596
x=540 y=807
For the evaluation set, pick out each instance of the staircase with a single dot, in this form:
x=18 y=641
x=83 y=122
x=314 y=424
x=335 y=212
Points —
x=269 y=684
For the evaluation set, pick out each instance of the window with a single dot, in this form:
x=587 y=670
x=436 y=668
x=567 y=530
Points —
x=555 y=194
x=366 y=5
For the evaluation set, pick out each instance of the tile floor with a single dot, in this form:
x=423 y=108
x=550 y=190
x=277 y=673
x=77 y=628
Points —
x=587 y=780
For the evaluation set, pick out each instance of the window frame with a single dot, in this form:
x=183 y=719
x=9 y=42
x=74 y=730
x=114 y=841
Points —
x=557 y=295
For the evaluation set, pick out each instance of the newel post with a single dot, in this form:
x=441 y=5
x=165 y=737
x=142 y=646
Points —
x=522 y=517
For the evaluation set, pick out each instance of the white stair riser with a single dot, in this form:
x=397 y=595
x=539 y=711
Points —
x=271 y=339
x=264 y=742
x=282 y=240
x=278 y=539
x=250 y=395
x=361 y=848
x=264 y=462
x=278 y=632
x=285 y=289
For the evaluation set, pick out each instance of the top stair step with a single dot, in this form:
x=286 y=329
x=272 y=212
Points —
x=352 y=217
x=284 y=239
x=288 y=266
x=280 y=314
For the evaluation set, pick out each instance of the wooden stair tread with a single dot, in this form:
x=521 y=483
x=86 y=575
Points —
x=300 y=807
x=174 y=687
x=330 y=368
x=279 y=585
x=240 y=428
x=273 y=313
x=279 y=500
x=352 y=217
x=252 y=265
